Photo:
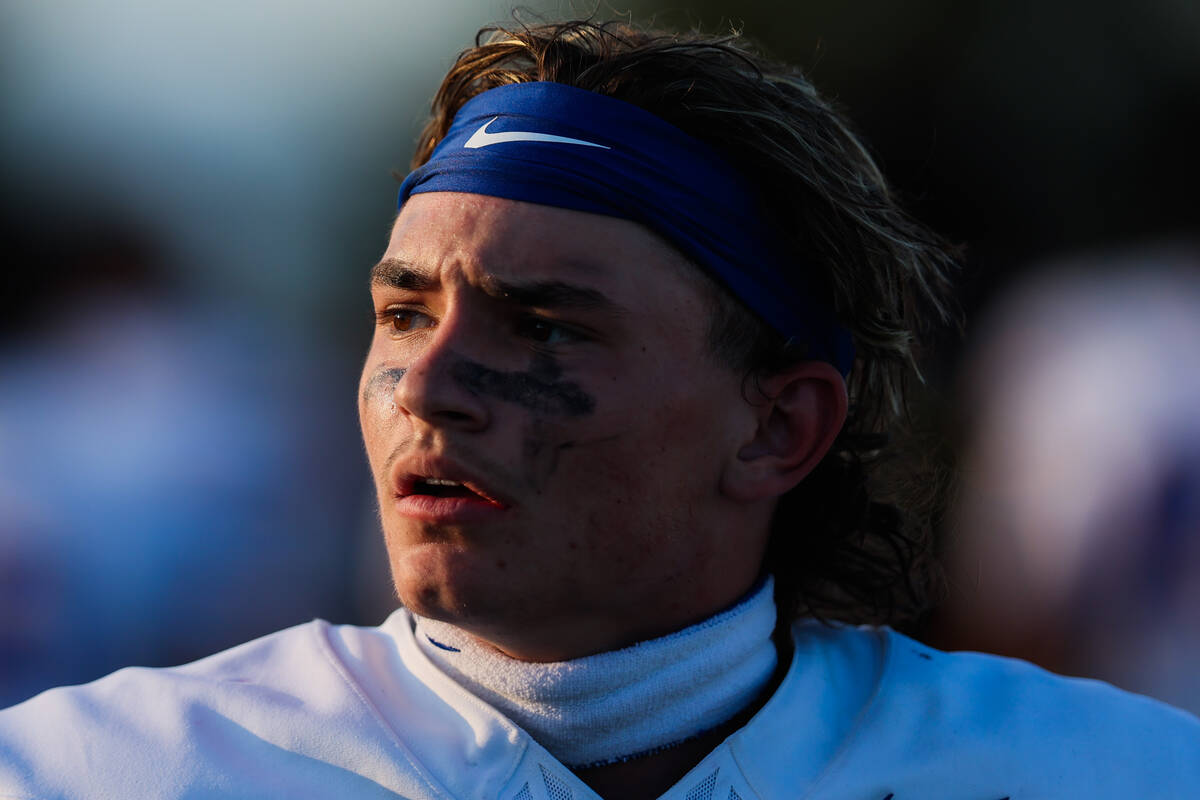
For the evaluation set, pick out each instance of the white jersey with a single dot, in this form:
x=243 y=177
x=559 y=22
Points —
x=322 y=711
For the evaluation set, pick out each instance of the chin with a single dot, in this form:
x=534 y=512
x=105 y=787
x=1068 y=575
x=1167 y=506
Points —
x=450 y=584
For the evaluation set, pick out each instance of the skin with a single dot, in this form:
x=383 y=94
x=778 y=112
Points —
x=638 y=478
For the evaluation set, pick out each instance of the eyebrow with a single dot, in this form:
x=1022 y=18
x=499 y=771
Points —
x=401 y=274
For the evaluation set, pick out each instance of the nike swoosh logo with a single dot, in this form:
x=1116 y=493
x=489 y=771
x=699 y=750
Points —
x=481 y=138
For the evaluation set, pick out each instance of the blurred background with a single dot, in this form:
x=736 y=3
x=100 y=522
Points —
x=193 y=193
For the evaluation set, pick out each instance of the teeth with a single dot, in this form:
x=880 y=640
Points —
x=441 y=482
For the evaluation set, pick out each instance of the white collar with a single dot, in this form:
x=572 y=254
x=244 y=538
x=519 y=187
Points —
x=624 y=703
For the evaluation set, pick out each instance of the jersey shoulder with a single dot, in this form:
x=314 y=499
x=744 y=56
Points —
x=977 y=725
x=277 y=716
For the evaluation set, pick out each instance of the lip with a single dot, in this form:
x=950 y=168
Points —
x=484 y=504
x=447 y=510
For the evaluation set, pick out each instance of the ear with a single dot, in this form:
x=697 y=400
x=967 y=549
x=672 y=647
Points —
x=803 y=409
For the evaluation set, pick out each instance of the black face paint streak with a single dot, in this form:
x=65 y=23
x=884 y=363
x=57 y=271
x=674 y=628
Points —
x=384 y=380
x=539 y=390
x=550 y=400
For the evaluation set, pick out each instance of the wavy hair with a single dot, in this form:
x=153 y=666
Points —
x=853 y=541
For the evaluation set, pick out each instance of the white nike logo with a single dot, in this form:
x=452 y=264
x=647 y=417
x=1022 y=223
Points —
x=481 y=138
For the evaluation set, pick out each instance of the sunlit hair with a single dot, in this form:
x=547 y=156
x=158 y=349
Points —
x=852 y=541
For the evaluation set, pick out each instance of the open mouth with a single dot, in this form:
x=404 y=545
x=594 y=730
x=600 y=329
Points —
x=444 y=492
x=441 y=487
x=446 y=489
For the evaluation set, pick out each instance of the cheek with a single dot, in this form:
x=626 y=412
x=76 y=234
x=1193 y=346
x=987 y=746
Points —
x=646 y=437
x=551 y=450
x=377 y=409
x=619 y=465
x=377 y=395
x=632 y=513
x=680 y=448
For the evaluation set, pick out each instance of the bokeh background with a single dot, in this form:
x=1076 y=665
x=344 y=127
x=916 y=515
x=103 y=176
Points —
x=193 y=193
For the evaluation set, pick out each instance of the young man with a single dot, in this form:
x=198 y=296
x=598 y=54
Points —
x=646 y=312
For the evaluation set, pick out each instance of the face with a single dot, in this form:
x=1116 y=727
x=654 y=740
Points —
x=547 y=428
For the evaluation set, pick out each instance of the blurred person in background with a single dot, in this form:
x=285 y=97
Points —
x=1076 y=540
x=645 y=322
x=149 y=465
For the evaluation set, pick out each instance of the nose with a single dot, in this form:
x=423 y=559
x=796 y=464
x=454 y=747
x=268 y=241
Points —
x=429 y=390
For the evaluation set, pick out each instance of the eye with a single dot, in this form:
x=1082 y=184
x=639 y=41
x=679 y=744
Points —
x=404 y=320
x=543 y=331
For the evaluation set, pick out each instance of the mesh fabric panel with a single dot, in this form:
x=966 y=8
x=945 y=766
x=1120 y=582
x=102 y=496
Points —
x=704 y=790
x=554 y=787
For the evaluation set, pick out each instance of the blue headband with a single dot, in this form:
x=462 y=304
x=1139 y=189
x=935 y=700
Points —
x=557 y=145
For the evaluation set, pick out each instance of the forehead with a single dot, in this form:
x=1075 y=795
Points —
x=485 y=237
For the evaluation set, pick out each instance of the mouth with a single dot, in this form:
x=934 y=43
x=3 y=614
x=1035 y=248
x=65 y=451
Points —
x=440 y=487
x=445 y=487
x=435 y=493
